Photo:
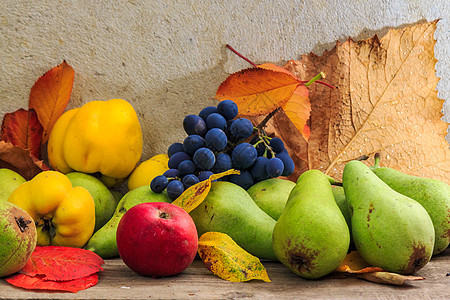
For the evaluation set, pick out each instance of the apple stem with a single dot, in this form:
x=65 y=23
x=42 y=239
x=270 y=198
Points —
x=241 y=56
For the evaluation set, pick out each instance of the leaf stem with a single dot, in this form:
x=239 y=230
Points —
x=321 y=82
x=315 y=78
x=241 y=56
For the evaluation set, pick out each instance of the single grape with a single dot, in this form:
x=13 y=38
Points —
x=171 y=173
x=276 y=144
x=243 y=156
x=223 y=163
x=216 y=120
x=190 y=180
x=216 y=139
x=176 y=159
x=159 y=183
x=254 y=139
x=204 y=113
x=288 y=163
x=258 y=169
x=193 y=124
x=228 y=109
x=174 y=148
x=274 y=167
x=244 y=180
x=186 y=167
x=174 y=189
x=203 y=175
x=192 y=143
x=260 y=149
x=240 y=129
x=204 y=159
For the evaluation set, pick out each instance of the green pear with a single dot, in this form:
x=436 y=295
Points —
x=18 y=238
x=103 y=242
x=311 y=236
x=341 y=201
x=229 y=209
x=9 y=181
x=271 y=195
x=390 y=230
x=104 y=200
x=434 y=195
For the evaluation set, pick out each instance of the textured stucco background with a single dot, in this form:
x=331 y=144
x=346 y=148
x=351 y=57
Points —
x=168 y=57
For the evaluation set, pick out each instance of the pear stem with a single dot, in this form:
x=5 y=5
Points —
x=363 y=157
x=377 y=160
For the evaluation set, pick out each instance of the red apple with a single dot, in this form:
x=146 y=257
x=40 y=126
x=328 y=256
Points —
x=157 y=239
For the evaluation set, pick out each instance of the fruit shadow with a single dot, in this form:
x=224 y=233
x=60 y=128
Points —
x=162 y=108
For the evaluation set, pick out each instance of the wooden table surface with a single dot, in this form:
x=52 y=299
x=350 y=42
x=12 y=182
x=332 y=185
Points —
x=119 y=282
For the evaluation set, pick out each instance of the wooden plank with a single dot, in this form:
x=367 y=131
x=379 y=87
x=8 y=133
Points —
x=119 y=282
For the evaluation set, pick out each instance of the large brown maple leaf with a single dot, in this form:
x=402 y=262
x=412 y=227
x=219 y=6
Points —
x=385 y=101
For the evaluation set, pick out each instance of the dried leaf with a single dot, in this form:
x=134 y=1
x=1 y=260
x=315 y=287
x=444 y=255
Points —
x=388 y=278
x=50 y=94
x=194 y=195
x=354 y=263
x=385 y=101
x=355 y=266
x=22 y=129
x=222 y=256
x=58 y=263
x=20 y=161
x=258 y=91
x=37 y=283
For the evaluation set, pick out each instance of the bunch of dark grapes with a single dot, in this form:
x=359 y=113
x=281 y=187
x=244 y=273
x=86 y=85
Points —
x=217 y=142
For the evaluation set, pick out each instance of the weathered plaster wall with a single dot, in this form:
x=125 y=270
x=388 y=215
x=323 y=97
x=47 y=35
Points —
x=168 y=57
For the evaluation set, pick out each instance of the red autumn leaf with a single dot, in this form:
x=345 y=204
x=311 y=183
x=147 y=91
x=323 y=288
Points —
x=62 y=263
x=50 y=94
x=38 y=283
x=20 y=160
x=22 y=129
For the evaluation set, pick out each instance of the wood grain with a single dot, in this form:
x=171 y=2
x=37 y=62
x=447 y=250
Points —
x=119 y=282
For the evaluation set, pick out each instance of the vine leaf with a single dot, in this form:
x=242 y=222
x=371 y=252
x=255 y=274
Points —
x=385 y=101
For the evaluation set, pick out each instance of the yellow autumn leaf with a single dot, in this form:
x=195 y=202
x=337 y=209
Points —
x=194 y=195
x=223 y=257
